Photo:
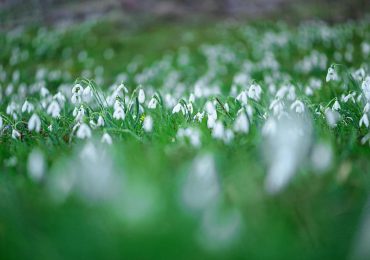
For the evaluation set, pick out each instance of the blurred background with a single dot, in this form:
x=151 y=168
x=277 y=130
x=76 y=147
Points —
x=16 y=12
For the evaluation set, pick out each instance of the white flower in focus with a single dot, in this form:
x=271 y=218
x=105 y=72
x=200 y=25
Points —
x=243 y=98
x=336 y=105
x=254 y=92
x=199 y=117
x=83 y=131
x=178 y=108
x=141 y=96
x=34 y=123
x=148 y=124
x=119 y=113
x=152 y=103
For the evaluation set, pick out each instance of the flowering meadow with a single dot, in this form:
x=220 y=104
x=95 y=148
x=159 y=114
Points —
x=226 y=140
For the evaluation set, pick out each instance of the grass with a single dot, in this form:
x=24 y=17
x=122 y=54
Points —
x=153 y=194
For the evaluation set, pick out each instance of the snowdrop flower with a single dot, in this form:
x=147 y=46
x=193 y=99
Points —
x=119 y=113
x=152 y=103
x=276 y=106
x=332 y=75
x=199 y=117
x=100 y=121
x=364 y=121
x=218 y=130
x=87 y=93
x=241 y=124
x=36 y=165
x=332 y=117
x=60 y=98
x=11 y=108
x=211 y=121
x=350 y=96
x=243 y=98
x=141 y=96
x=190 y=108
x=229 y=136
x=50 y=128
x=210 y=108
x=191 y=98
x=15 y=134
x=79 y=113
x=365 y=86
x=308 y=91
x=44 y=92
x=77 y=92
x=336 y=106
x=297 y=106
x=83 y=131
x=367 y=108
x=254 y=92
x=1 y=122
x=178 y=108
x=106 y=138
x=54 y=109
x=148 y=124
x=27 y=106
x=122 y=87
x=34 y=123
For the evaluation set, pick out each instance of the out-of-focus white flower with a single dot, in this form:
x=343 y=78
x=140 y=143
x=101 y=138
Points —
x=15 y=134
x=141 y=96
x=276 y=106
x=36 y=165
x=83 y=131
x=34 y=123
x=211 y=121
x=54 y=109
x=332 y=75
x=364 y=120
x=321 y=157
x=27 y=107
x=297 y=106
x=87 y=93
x=243 y=98
x=241 y=124
x=60 y=98
x=100 y=121
x=192 y=134
x=365 y=86
x=218 y=130
x=106 y=138
x=1 y=122
x=332 y=117
x=191 y=98
x=148 y=124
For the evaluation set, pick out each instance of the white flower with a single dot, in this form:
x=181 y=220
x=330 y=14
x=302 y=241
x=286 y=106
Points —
x=254 y=92
x=336 y=105
x=243 y=98
x=36 y=165
x=44 y=92
x=15 y=134
x=77 y=89
x=297 y=106
x=60 y=97
x=365 y=86
x=210 y=108
x=178 y=108
x=34 y=123
x=199 y=116
x=87 y=93
x=79 y=114
x=27 y=106
x=364 y=120
x=100 y=121
x=83 y=131
x=152 y=103
x=241 y=124
x=332 y=117
x=332 y=75
x=1 y=122
x=141 y=96
x=53 y=109
x=190 y=108
x=119 y=113
x=122 y=87
x=218 y=130
x=191 y=98
x=148 y=124
x=106 y=138
x=211 y=120
x=229 y=136
x=50 y=128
